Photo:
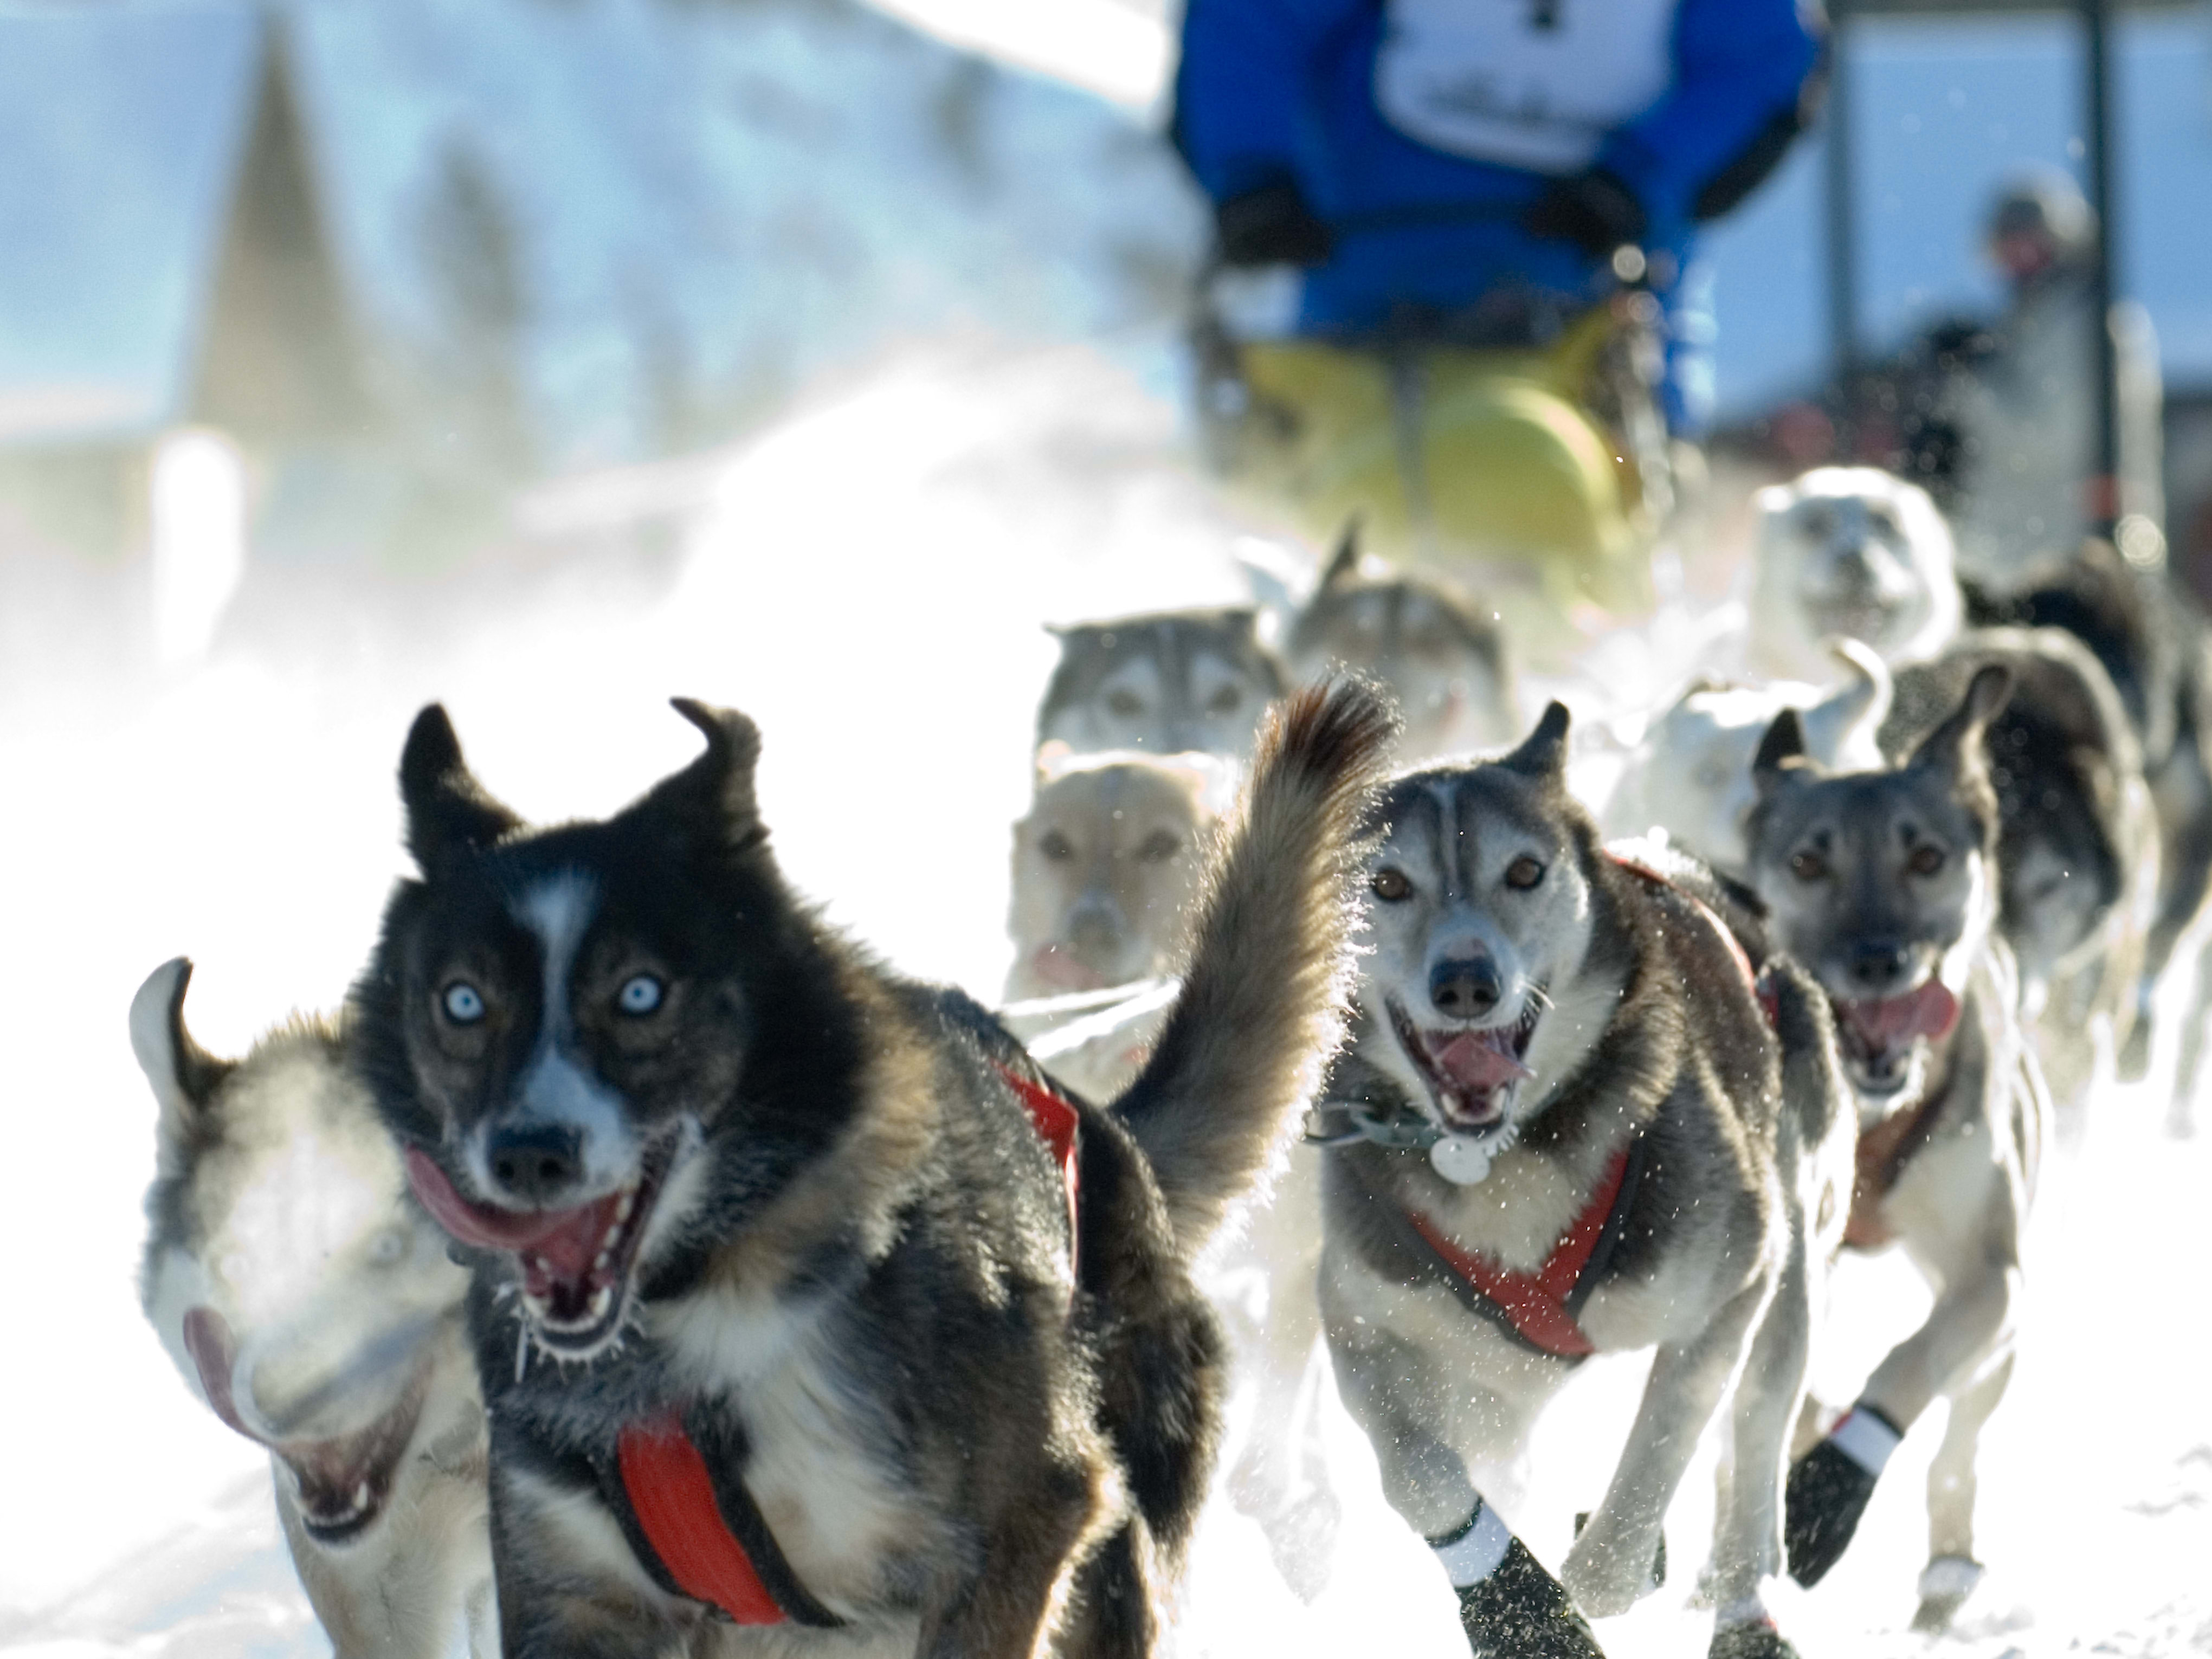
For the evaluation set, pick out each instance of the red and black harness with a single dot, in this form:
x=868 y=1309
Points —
x=1541 y=1310
x=689 y=1518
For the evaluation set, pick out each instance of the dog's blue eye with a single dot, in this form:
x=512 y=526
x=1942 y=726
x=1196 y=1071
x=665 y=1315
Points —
x=639 y=994
x=464 y=1006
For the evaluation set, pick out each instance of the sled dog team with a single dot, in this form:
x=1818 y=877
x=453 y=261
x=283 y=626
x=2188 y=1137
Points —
x=638 y=1265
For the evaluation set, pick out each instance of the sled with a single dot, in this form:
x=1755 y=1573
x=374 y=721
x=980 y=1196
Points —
x=1537 y=476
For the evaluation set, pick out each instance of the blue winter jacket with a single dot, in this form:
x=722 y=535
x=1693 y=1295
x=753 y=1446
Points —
x=1375 y=107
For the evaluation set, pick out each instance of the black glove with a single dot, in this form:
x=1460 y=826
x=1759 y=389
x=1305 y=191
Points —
x=1271 y=226
x=1594 y=210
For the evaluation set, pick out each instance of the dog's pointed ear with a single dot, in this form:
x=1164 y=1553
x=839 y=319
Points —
x=184 y=1076
x=1956 y=745
x=717 y=788
x=447 y=810
x=1344 y=564
x=1543 y=753
x=1782 y=745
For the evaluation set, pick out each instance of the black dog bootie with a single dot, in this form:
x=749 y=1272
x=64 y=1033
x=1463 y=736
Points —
x=1521 y=1611
x=1829 y=1489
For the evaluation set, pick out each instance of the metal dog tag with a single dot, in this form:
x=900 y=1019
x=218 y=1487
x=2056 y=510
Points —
x=1460 y=1161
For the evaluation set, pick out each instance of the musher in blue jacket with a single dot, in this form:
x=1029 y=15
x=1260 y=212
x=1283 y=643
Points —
x=1422 y=156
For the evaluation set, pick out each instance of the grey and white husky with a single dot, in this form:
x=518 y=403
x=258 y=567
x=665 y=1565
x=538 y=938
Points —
x=1884 y=885
x=309 y=1300
x=1442 y=657
x=1567 y=1124
x=808 y=1317
x=1172 y=682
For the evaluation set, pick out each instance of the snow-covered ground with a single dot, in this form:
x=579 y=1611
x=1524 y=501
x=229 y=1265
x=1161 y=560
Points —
x=869 y=584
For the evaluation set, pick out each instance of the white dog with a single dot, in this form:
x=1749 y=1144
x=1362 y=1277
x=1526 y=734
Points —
x=1849 y=551
x=1692 y=774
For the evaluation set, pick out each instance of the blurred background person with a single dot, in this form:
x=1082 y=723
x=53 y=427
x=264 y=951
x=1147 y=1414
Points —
x=2007 y=433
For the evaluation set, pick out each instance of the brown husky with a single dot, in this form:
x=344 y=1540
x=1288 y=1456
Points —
x=1884 y=885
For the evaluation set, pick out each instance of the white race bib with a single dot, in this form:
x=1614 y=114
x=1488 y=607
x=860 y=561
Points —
x=1526 y=84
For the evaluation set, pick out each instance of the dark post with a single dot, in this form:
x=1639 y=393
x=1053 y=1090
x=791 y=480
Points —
x=1842 y=228
x=2104 y=493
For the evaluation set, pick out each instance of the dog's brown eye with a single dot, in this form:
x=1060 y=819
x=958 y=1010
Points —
x=1926 y=860
x=1391 y=885
x=1523 y=873
x=1159 y=847
x=1808 y=867
x=1055 y=846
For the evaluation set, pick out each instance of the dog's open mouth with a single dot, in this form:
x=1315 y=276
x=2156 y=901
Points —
x=1880 y=1035
x=340 y=1484
x=1472 y=1074
x=577 y=1264
x=1061 y=967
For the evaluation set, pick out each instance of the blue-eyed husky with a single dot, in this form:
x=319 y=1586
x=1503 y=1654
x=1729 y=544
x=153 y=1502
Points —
x=796 y=1334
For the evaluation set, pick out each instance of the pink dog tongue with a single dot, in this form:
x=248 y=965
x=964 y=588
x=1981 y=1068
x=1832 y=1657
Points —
x=481 y=1224
x=1470 y=1061
x=1929 y=1011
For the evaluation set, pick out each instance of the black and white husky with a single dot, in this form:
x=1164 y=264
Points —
x=1569 y=1124
x=308 y=1299
x=808 y=1320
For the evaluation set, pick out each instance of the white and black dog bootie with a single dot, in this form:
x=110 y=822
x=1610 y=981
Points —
x=1829 y=1488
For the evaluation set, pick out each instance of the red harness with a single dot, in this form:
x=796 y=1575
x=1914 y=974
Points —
x=670 y=1492
x=1540 y=1307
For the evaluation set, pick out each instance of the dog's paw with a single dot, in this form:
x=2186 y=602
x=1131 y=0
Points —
x=1945 y=1585
x=1604 y=1582
x=1301 y=1538
x=1757 y=1639
x=1827 y=1494
x=1521 y=1611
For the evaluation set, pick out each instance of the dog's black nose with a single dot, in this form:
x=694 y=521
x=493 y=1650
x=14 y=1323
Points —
x=536 y=1164
x=1879 y=966
x=1465 y=989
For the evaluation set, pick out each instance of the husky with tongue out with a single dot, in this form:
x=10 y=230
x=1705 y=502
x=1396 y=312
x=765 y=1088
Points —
x=810 y=1316
x=1884 y=885
x=1571 y=1121
x=310 y=1302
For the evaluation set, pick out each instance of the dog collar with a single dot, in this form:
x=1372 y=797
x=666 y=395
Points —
x=1340 y=1123
x=704 y=1538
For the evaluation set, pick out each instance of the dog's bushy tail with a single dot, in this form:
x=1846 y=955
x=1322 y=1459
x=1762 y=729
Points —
x=1271 y=966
